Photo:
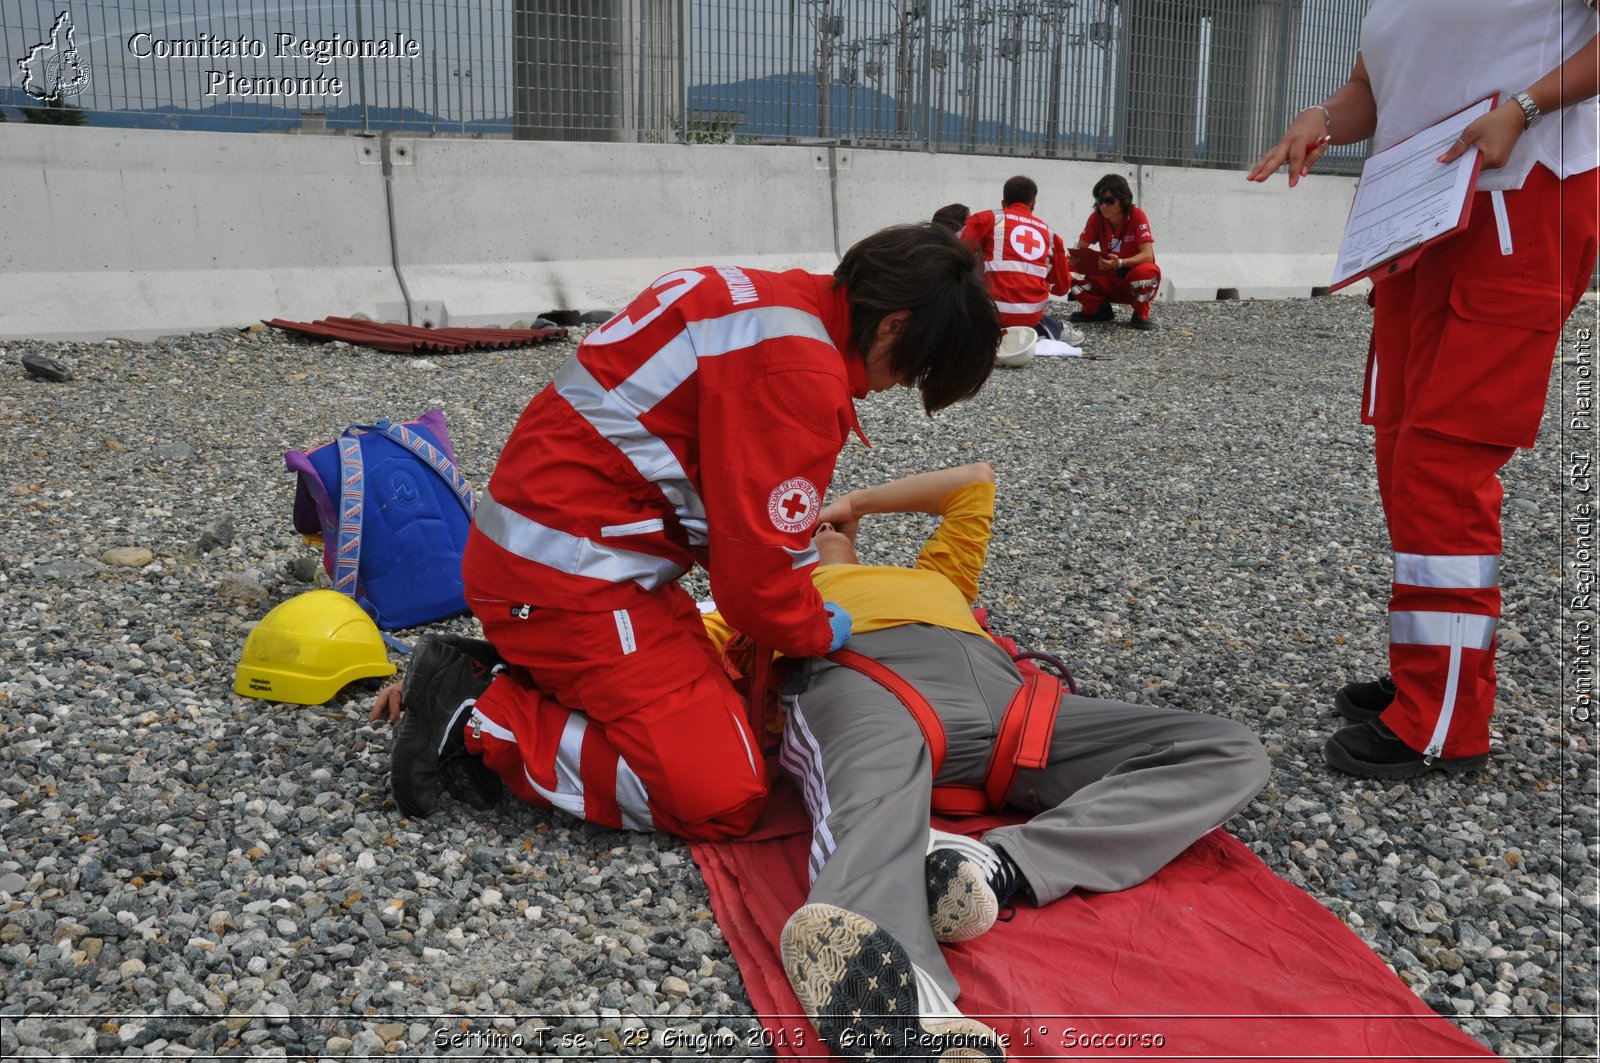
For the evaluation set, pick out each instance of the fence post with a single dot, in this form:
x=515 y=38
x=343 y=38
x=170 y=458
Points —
x=1123 y=88
x=1285 y=62
x=685 y=45
x=361 y=71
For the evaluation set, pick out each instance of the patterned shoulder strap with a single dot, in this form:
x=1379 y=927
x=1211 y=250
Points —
x=434 y=458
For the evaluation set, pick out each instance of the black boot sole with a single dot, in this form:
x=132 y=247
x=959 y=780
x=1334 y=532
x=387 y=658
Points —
x=1337 y=756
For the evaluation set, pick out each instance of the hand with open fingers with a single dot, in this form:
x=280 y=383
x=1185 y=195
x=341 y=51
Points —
x=1494 y=134
x=840 y=621
x=1302 y=145
x=387 y=707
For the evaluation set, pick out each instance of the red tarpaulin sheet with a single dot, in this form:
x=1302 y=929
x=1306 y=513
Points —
x=1215 y=955
x=409 y=339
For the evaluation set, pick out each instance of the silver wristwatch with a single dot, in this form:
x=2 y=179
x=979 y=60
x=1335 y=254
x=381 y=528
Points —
x=1530 y=110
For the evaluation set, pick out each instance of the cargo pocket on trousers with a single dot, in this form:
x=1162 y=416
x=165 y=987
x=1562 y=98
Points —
x=1492 y=371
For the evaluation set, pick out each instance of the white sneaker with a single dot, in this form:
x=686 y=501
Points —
x=867 y=999
x=1071 y=336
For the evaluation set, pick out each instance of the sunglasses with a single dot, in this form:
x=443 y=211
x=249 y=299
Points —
x=1106 y=200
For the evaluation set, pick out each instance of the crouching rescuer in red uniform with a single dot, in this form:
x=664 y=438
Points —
x=698 y=426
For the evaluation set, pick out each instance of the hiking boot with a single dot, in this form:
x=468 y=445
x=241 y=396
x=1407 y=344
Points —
x=969 y=882
x=1105 y=313
x=867 y=999
x=1141 y=324
x=429 y=757
x=1372 y=751
x=480 y=650
x=1364 y=701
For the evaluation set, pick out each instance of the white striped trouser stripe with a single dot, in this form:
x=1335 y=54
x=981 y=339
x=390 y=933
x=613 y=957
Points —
x=1457 y=632
x=1418 y=628
x=632 y=798
x=801 y=757
x=1447 y=570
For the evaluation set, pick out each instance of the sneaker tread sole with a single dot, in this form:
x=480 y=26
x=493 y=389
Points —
x=961 y=906
x=858 y=988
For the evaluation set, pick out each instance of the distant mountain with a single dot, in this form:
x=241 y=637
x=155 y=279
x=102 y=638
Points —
x=785 y=105
x=250 y=116
x=777 y=106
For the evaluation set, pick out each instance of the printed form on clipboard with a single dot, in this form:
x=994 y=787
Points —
x=1407 y=199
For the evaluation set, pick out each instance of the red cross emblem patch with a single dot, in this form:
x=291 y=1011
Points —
x=794 y=505
x=1027 y=242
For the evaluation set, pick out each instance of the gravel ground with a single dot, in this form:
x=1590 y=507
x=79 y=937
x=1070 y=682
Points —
x=1189 y=519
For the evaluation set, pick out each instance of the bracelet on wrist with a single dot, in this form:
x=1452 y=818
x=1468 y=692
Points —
x=1327 y=116
x=1530 y=110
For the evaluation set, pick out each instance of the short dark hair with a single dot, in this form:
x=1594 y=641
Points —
x=953 y=215
x=946 y=348
x=1019 y=189
x=1114 y=184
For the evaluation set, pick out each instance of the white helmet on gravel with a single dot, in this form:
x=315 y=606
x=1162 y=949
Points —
x=1016 y=346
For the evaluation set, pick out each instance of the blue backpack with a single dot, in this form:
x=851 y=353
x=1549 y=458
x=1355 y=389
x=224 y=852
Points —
x=392 y=511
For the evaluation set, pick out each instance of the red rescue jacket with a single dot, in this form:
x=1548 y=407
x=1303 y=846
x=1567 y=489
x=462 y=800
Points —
x=698 y=426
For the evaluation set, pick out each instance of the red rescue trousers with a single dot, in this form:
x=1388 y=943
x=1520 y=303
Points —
x=1462 y=348
x=624 y=718
x=1137 y=289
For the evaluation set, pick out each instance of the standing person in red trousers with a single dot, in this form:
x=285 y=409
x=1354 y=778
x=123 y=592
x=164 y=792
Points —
x=1462 y=342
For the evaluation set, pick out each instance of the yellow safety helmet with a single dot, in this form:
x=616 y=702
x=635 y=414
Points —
x=308 y=647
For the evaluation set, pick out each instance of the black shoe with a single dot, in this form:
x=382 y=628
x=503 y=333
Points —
x=480 y=650
x=430 y=756
x=1364 y=701
x=1142 y=324
x=968 y=882
x=1105 y=313
x=1372 y=751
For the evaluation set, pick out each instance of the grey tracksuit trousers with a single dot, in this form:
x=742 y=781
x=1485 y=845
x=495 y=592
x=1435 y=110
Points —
x=1128 y=787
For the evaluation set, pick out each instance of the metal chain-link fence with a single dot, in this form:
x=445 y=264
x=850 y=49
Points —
x=1187 y=82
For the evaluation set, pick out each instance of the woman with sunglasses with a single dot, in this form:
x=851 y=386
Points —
x=1125 y=270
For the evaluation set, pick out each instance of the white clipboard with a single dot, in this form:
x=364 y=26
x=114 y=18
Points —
x=1407 y=200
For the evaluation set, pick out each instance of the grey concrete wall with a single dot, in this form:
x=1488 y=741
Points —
x=140 y=233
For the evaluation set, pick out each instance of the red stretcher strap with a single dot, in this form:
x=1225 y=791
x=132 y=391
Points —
x=1025 y=733
x=1023 y=742
x=927 y=720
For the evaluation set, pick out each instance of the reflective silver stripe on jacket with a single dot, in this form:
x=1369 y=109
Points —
x=1447 y=570
x=615 y=412
x=571 y=554
x=1472 y=631
x=1007 y=265
x=1020 y=308
x=999 y=238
